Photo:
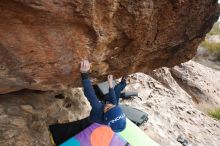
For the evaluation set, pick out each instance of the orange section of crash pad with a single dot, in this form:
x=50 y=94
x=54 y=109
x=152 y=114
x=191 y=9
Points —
x=101 y=136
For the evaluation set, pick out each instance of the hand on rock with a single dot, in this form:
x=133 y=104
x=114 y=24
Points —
x=85 y=66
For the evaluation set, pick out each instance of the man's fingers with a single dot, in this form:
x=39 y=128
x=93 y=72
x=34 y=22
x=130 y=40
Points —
x=89 y=65
x=86 y=61
x=81 y=64
x=86 y=65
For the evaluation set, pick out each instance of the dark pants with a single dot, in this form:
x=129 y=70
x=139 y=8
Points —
x=118 y=88
x=62 y=132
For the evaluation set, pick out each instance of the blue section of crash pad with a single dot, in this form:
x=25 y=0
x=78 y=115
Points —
x=71 y=142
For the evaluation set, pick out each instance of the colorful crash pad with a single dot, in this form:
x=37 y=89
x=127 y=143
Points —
x=135 y=136
x=96 y=135
x=102 y=135
x=71 y=142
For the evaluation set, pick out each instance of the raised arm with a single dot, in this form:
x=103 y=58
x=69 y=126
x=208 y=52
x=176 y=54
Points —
x=87 y=85
x=119 y=87
x=112 y=96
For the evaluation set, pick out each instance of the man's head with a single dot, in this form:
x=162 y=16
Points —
x=114 y=117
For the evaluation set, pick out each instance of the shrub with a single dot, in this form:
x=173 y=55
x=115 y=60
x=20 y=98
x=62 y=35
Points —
x=215 y=30
x=215 y=113
x=211 y=46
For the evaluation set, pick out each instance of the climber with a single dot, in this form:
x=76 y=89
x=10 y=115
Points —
x=108 y=113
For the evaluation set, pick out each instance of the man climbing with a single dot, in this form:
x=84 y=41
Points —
x=108 y=113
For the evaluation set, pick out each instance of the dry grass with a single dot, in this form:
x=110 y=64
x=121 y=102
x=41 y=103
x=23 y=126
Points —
x=211 y=46
x=216 y=29
x=209 y=109
x=215 y=113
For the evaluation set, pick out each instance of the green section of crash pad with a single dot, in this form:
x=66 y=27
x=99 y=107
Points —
x=135 y=136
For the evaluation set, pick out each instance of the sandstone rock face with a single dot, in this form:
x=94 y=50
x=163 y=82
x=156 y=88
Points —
x=200 y=82
x=172 y=111
x=42 y=42
x=25 y=116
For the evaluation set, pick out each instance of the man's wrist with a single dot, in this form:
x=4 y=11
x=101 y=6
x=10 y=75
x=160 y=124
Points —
x=84 y=75
x=84 y=71
x=110 y=84
x=111 y=88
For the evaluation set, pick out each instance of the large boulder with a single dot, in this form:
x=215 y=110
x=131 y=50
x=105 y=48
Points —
x=173 y=112
x=43 y=41
x=200 y=82
x=25 y=115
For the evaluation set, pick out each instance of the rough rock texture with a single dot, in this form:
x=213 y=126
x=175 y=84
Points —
x=172 y=113
x=24 y=116
x=201 y=82
x=42 y=41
